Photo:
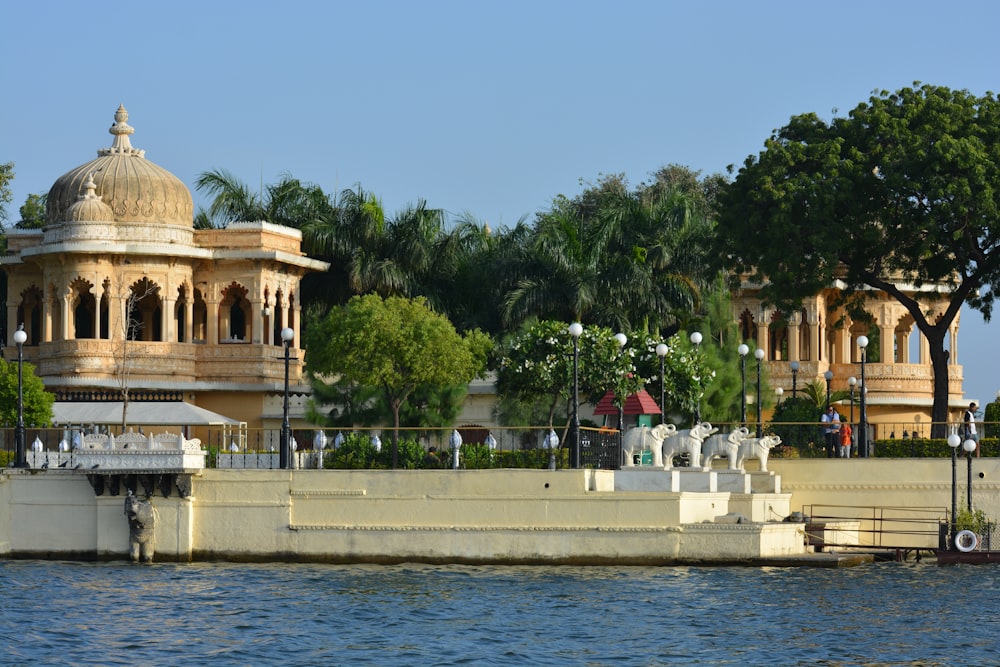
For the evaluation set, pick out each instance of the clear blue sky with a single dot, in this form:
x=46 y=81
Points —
x=486 y=108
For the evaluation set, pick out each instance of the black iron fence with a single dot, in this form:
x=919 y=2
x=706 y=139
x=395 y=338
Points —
x=482 y=447
x=361 y=448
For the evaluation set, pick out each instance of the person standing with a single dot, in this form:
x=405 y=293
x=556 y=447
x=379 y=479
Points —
x=831 y=431
x=969 y=425
x=845 y=440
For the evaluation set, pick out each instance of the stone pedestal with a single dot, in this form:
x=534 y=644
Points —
x=761 y=507
x=765 y=482
x=647 y=479
x=734 y=481
x=697 y=480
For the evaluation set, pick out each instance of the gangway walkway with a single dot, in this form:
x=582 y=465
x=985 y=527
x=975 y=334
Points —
x=895 y=532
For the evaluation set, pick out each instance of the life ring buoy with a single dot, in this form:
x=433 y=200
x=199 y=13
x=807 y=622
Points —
x=966 y=541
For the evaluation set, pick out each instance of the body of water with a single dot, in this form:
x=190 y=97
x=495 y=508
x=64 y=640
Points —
x=69 y=613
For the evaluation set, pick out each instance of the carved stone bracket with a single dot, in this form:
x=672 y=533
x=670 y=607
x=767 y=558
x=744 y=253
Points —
x=140 y=484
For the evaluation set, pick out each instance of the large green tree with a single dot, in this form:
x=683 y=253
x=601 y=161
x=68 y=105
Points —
x=6 y=195
x=395 y=346
x=630 y=260
x=536 y=364
x=904 y=190
x=37 y=401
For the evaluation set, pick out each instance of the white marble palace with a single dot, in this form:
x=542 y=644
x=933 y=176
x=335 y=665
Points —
x=120 y=286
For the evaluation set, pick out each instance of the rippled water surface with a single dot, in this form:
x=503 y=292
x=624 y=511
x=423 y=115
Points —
x=56 y=613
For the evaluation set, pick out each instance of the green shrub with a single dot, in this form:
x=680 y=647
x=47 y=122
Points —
x=976 y=521
x=356 y=453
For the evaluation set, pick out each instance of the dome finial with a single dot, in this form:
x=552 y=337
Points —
x=121 y=131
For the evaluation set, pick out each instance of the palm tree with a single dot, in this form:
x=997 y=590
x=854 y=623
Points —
x=289 y=202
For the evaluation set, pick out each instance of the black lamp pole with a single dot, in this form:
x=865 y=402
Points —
x=795 y=373
x=743 y=350
x=759 y=354
x=696 y=341
x=954 y=441
x=284 y=455
x=621 y=339
x=20 y=459
x=970 y=446
x=575 y=330
x=851 y=381
x=661 y=351
x=863 y=415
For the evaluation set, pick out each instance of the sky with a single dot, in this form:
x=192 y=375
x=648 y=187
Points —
x=488 y=109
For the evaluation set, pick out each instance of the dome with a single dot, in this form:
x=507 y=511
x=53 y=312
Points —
x=89 y=207
x=132 y=187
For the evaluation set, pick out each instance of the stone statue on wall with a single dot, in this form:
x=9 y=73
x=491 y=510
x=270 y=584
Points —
x=141 y=524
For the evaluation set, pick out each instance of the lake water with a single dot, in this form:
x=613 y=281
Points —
x=68 y=613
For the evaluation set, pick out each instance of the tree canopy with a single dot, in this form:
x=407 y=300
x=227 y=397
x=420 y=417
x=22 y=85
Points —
x=394 y=346
x=904 y=190
x=6 y=195
x=37 y=401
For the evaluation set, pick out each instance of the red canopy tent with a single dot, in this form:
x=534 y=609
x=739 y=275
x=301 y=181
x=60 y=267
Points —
x=639 y=403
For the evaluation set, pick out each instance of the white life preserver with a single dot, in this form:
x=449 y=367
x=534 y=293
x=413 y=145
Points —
x=966 y=541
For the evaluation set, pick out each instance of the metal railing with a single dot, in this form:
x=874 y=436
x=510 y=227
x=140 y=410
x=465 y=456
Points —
x=477 y=447
x=897 y=529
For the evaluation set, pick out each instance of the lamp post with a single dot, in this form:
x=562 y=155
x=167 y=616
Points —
x=829 y=378
x=576 y=330
x=863 y=415
x=969 y=446
x=20 y=460
x=284 y=452
x=621 y=339
x=778 y=392
x=743 y=350
x=759 y=354
x=696 y=341
x=795 y=374
x=851 y=382
x=661 y=352
x=954 y=441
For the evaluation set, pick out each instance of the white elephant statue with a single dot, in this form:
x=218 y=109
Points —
x=721 y=445
x=756 y=448
x=645 y=437
x=687 y=442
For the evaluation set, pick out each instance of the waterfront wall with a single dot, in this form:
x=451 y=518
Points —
x=505 y=516
x=904 y=483
x=508 y=516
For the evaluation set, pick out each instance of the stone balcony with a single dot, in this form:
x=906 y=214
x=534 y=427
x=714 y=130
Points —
x=168 y=363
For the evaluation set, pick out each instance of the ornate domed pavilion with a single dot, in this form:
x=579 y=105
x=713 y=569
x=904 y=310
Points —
x=119 y=289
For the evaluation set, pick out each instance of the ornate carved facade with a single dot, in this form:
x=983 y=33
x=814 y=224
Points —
x=822 y=338
x=120 y=287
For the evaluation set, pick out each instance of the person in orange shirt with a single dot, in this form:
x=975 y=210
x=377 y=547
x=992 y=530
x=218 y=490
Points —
x=845 y=440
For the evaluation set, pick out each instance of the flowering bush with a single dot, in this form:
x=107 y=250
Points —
x=537 y=365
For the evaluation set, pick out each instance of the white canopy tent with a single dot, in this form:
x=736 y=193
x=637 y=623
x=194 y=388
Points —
x=140 y=413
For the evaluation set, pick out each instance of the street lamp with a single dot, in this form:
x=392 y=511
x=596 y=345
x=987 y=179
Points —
x=661 y=352
x=795 y=374
x=969 y=446
x=759 y=354
x=576 y=330
x=863 y=416
x=829 y=378
x=743 y=350
x=284 y=452
x=851 y=382
x=954 y=441
x=621 y=339
x=778 y=391
x=20 y=460
x=696 y=341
